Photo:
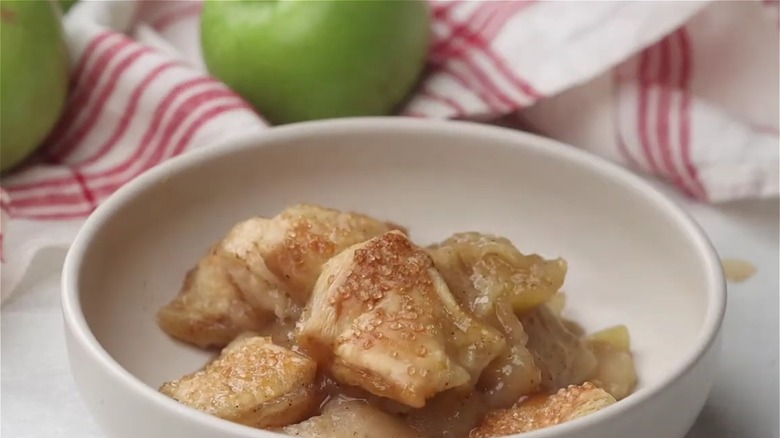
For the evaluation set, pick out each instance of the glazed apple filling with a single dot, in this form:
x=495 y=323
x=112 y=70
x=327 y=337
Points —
x=334 y=324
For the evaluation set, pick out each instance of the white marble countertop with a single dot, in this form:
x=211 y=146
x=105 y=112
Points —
x=39 y=397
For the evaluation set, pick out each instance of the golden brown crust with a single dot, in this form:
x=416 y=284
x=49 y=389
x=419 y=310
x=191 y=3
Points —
x=290 y=255
x=253 y=382
x=542 y=411
x=262 y=268
x=397 y=227
x=309 y=235
x=209 y=310
x=388 y=262
x=382 y=318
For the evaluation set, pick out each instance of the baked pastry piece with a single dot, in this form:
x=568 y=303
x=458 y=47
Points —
x=382 y=318
x=263 y=270
x=252 y=382
x=538 y=412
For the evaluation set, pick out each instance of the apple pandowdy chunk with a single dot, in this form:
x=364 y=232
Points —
x=564 y=357
x=297 y=242
x=252 y=382
x=210 y=310
x=495 y=282
x=497 y=270
x=382 y=318
x=615 y=371
x=261 y=272
x=542 y=411
x=353 y=418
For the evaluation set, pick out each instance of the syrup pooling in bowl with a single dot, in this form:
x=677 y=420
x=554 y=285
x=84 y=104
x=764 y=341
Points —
x=462 y=338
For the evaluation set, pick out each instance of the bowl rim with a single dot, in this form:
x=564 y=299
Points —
x=76 y=323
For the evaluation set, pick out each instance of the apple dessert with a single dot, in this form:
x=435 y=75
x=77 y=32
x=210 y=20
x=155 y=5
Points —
x=332 y=324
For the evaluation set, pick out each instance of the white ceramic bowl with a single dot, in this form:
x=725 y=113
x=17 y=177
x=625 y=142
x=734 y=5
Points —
x=634 y=256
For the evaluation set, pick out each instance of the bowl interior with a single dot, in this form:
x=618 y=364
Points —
x=631 y=260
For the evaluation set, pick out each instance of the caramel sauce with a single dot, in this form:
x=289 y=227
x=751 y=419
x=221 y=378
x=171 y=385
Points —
x=737 y=270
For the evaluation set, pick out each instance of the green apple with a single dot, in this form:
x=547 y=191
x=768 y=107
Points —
x=297 y=60
x=34 y=70
x=67 y=4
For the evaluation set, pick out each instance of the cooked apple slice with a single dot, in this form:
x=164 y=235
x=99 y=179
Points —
x=615 y=371
x=616 y=336
x=497 y=270
x=563 y=356
x=492 y=279
x=349 y=419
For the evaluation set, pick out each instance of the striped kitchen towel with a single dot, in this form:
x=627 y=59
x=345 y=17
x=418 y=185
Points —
x=683 y=91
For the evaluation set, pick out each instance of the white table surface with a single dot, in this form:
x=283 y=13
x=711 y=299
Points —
x=39 y=397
